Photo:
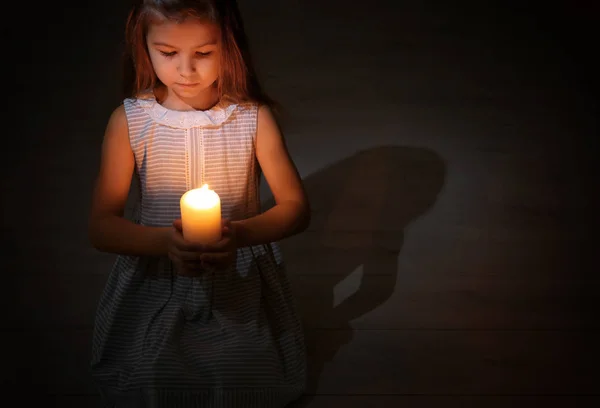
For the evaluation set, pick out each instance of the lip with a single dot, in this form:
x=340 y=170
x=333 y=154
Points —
x=187 y=85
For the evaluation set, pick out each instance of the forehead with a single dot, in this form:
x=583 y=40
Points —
x=188 y=32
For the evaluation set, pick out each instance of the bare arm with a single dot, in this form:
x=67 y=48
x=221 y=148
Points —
x=109 y=231
x=291 y=213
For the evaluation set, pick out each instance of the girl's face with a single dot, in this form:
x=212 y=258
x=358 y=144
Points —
x=185 y=56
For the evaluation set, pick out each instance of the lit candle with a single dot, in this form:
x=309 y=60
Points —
x=201 y=215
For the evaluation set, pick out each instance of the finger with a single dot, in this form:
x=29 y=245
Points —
x=227 y=227
x=173 y=257
x=177 y=224
x=182 y=244
x=190 y=256
x=177 y=239
x=218 y=246
x=174 y=252
x=184 y=257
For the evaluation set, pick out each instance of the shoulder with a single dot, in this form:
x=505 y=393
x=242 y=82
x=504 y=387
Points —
x=118 y=119
x=250 y=113
x=265 y=116
x=268 y=131
x=256 y=114
x=263 y=110
x=117 y=127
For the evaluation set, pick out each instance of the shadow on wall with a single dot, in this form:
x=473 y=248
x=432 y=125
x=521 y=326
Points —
x=345 y=264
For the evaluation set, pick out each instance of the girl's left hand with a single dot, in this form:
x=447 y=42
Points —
x=221 y=254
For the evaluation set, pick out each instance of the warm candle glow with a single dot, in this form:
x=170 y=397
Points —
x=201 y=215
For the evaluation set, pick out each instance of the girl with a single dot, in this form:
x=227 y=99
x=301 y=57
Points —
x=180 y=325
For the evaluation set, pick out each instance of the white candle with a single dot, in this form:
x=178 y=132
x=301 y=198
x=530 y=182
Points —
x=201 y=215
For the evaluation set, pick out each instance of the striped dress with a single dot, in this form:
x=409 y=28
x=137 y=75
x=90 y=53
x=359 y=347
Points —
x=230 y=338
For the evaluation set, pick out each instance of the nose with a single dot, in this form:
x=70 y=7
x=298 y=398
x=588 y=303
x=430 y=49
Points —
x=186 y=67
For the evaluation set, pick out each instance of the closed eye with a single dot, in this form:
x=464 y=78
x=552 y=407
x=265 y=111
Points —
x=172 y=53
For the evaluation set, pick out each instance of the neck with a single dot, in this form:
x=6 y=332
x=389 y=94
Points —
x=171 y=100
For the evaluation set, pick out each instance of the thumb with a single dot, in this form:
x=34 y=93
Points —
x=177 y=224
x=225 y=224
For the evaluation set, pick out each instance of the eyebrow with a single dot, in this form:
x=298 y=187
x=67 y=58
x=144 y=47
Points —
x=212 y=42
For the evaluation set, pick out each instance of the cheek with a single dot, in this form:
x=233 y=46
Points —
x=162 y=67
x=156 y=63
x=211 y=68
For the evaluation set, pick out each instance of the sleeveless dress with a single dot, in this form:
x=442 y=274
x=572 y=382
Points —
x=229 y=338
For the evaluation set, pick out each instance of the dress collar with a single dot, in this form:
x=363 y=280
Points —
x=184 y=119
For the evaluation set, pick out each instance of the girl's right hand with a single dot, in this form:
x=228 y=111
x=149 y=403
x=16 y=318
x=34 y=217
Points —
x=184 y=255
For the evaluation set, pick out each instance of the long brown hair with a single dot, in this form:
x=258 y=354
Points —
x=237 y=78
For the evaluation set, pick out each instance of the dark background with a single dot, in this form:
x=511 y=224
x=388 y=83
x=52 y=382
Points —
x=449 y=150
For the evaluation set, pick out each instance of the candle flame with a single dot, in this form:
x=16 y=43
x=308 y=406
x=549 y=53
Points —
x=201 y=198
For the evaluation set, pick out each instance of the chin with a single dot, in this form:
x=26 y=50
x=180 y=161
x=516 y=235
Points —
x=191 y=91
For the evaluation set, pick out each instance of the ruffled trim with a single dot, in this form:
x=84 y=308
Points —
x=184 y=119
